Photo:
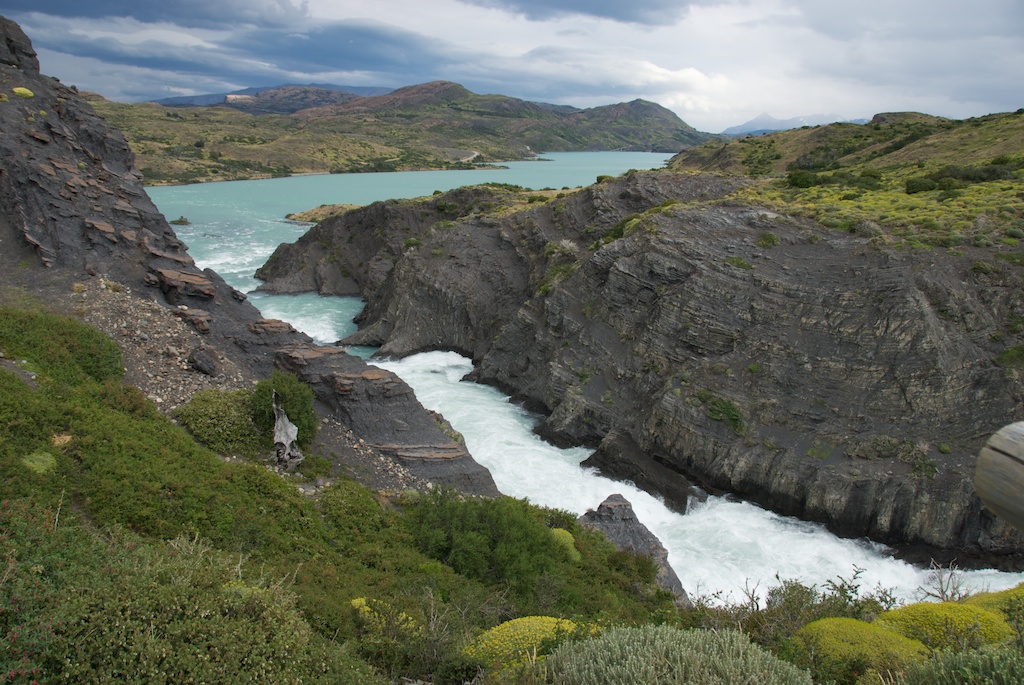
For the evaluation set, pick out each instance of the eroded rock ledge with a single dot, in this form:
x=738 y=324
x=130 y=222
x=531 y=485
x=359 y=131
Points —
x=808 y=370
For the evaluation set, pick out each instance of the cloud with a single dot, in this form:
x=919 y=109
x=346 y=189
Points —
x=191 y=13
x=935 y=21
x=350 y=45
x=127 y=83
x=714 y=62
x=245 y=55
x=637 y=11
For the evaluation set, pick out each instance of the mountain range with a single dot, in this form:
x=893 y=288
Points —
x=209 y=99
x=313 y=129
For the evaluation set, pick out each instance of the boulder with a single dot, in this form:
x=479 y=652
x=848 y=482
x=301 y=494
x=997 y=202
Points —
x=616 y=519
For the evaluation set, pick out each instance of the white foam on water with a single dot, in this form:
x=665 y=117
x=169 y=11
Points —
x=721 y=546
x=325 y=319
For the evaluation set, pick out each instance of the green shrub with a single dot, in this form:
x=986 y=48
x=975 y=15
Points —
x=739 y=263
x=802 y=179
x=668 y=656
x=721 y=409
x=920 y=184
x=506 y=543
x=352 y=510
x=59 y=347
x=222 y=420
x=513 y=643
x=1004 y=666
x=105 y=605
x=790 y=605
x=401 y=645
x=178 y=615
x=768 y=239
x=844 y=649
x=567 y=542
x=947 y=625
x=23 y=92
x=296 y=400
x=501 y=540
x=1001 y=601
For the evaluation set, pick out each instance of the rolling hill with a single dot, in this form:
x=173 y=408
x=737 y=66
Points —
x=438 y=125
x=904 y=177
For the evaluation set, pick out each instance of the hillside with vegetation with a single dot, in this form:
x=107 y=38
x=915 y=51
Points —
x=904 y=178
x=436 y=125
x=132 y=552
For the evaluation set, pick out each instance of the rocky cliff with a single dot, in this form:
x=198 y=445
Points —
x=812 y=371
x=73 y=211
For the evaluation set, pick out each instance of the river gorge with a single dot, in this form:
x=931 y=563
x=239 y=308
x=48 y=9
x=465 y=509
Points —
x=721 y=546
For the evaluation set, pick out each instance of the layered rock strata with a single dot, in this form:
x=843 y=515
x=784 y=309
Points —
x=818 y=373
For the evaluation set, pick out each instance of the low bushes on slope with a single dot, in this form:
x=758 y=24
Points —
x=82 y=444
x=668 y=655
x=845 y=649
x=513 y=645
x=947 y=625
x=1004 y=601
x=1003 y=666
x=508 y=542
x=76 y=607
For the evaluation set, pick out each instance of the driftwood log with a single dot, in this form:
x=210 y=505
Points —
x=286 y=449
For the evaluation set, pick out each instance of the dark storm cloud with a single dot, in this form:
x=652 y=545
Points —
x=194 y=13
x=349 y=46
x=637 y=11
x=251 y=55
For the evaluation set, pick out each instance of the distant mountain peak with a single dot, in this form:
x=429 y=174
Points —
x=764 y=123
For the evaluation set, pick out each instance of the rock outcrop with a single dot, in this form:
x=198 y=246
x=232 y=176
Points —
x=815 y=372
x=72 y=208
x=616 y=519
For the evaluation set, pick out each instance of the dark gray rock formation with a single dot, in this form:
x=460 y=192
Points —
x=381 y=408
x=618 y=457
x=72 y=207
x=617 y=520
x=815 y=372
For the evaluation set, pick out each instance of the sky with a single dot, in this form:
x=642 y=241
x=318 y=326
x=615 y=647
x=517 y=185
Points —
x=715 y=63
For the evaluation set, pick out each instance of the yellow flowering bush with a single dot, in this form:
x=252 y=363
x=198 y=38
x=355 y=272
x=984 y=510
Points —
x=513 y=641
x=23 y=92
x=997 y=601
x=380 y=617
x=243 y=589
x=844 y=649
x=567 y=542
x=947 y=625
